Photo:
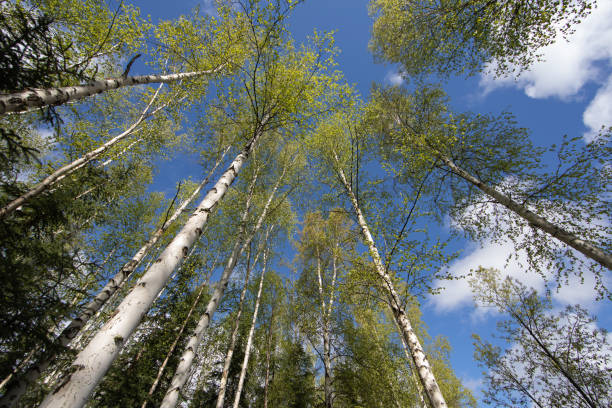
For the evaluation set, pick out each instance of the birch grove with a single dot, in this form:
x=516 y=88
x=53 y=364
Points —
x=234 y=335
x=91 y=364
x=347 y=216
x=426 y=376
x=242 y=242
x=249 y=344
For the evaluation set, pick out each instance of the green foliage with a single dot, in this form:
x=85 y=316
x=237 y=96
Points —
x=448 y=36
x=293 y=384
x=417 y=133
x=551 y=359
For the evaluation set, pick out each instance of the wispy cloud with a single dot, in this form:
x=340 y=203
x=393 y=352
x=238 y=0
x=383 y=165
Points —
x=394 y=78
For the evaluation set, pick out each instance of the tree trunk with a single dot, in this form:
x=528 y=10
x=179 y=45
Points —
x=94 y=360
x=234 y=337
x=247 y=351
x=38 y=98
x=182 y=371
x=19 y=386
x=268 y=358
x=162 y=368
x=420 y=359
x=536 y=221
x=409 y=361
x=69 y=168
x=326 y=315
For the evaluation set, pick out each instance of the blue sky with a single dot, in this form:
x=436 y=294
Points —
x=569 y=92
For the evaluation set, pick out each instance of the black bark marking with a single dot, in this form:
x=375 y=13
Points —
x=185 y=251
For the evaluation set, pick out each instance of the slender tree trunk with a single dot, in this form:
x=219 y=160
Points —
x=268 y=358
x=326 y=311
x=94 y=360
x=409 y=361
x=70 y=168
x=535 y=220
x=420 y=359
x=234 y=337
x=162 y=368
x=18 y=386
x=247 y=351
x=180 y=376
x=38 y=98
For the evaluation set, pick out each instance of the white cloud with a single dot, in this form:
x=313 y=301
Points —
x=394 y=78
x=473 y=384
x=567 y=66
x=599 y=111
x=457 y=293
x=504 y=257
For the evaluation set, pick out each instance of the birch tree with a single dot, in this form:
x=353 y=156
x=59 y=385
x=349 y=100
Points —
x=234 y=335
x=140 y=363
x=549 y=359
x=131 y=310
x=249 y=343
x=324 y=246
x=470 y=36
x=242 y=242
x=330 y=142
x=56 y=96
x=18 y=387
x=495 y=161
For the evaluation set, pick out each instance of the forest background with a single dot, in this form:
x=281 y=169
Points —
x=568 y=93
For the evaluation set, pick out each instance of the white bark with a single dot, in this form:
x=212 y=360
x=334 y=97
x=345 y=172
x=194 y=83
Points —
x=268 y=358
x=70 y=168
x=162 y=368
x=38 y=98
x=182 y=371
x=534 y=220
x=247 y=350
x=234 y=336
x=416 y=382
x=94 y=360
x=326 y=311
x=416 y=350
x=18 y=387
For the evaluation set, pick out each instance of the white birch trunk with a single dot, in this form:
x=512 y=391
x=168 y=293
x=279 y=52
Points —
x=409 y=361
x=326 y=311
x=162 y=368
x=19 y=386
x=38 y=98
x=182 y=371
x=416 y=350
x=268 y=358
x=247 y=350
x=70 y=168
x=94 y=360
x=533 y=219
x=234 y=337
